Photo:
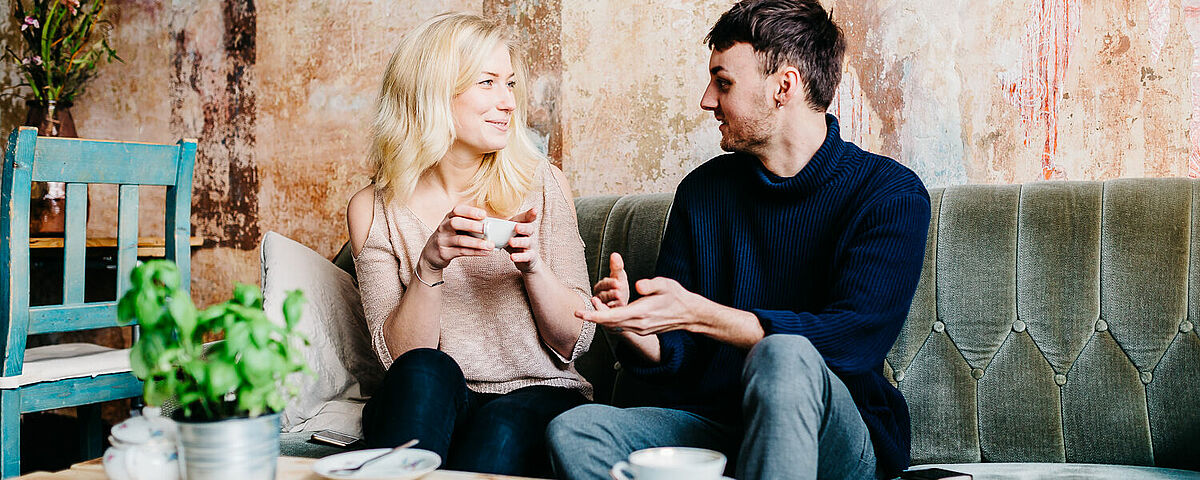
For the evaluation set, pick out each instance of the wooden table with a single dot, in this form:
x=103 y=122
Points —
x=147 y=246
x=290 y=468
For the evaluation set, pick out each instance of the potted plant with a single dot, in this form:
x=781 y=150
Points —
x=229 y=392
x=63 y=41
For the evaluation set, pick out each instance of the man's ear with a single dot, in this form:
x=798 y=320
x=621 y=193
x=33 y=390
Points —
x=791 y=87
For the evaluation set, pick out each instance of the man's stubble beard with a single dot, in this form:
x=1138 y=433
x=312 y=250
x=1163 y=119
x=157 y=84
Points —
x=754 y=133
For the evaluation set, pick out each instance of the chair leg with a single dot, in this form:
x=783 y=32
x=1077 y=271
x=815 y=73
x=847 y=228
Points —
x=91 y=431
x=10 y=433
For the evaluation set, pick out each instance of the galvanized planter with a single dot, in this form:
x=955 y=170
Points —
x=241 y=448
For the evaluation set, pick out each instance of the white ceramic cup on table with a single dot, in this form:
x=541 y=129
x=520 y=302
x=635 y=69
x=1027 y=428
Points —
x=671 y=463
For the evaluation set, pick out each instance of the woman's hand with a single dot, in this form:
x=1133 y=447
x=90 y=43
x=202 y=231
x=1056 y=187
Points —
x=452 y=239
x=521 y=247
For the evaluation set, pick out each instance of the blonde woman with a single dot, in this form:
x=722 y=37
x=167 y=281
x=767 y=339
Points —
x=478 y=342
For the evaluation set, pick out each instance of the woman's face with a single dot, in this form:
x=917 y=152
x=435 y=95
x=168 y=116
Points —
x=483 y=112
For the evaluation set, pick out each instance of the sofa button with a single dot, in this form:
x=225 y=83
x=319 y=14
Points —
x=1185 y=327
x=616 y=365
x=1147 y=377
x=977 y=373
x=939 y=327
x=1060 y=379
x=1101 y=325
x=899 y=376
x=1018 y=326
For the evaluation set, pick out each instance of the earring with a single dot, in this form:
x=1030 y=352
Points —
x=778 y=104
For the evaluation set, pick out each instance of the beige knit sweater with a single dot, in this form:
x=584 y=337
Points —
x=487 y=323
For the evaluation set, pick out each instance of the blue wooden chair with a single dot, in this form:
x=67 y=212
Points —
x=70 y=375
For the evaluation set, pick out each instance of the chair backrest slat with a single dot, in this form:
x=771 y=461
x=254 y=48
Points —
x=74 y=243
x=179 y=213
x=14 y=231
x=93 y=161
x=127 y=235
x=58 y=318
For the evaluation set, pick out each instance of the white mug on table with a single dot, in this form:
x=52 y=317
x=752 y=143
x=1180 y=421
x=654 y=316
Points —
x=670 y=463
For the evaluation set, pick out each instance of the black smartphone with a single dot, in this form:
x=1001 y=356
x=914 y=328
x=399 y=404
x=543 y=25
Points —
x=934 y=474
x=335 y=438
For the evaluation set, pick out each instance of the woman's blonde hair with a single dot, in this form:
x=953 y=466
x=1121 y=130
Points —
x=414 y=125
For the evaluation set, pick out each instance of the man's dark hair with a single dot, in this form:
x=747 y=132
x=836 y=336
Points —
x=787 y=32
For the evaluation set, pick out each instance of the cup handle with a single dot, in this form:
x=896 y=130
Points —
x=621 y=471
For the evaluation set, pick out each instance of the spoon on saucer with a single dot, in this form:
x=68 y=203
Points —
x=349 y=470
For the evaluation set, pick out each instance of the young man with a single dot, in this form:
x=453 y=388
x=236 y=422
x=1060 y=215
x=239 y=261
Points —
x=785 y=275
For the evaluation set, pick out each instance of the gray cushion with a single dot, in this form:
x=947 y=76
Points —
x=1060 y=327
x=1060 y=471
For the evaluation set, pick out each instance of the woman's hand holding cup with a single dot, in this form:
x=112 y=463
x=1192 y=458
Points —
x=453 y=238
x=521 y=246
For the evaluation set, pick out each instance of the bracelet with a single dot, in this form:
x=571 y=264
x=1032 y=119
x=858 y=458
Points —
x=416 y=270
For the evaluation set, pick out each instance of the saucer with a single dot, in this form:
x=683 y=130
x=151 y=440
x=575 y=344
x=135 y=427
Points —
x=616 y=475
x=405 y=464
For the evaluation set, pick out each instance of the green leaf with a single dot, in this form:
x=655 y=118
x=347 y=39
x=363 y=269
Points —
x=293 y=307
x=148 y=309
x=247 y=295
x=127 y=307
x=222 y=379
x=183 y=312
x=137 y=361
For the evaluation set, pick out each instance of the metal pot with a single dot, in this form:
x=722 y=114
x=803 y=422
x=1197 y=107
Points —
x=241 y=448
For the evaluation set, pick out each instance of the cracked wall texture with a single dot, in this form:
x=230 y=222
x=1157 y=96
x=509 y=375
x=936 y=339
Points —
x=963 y=91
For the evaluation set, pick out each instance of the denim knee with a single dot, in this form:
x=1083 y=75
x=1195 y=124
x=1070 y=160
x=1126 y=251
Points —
x=582 y=424
x=779 y=362
x=431 y=361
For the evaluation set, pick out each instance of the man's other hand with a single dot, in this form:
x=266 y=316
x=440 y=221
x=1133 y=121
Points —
x=613 y=290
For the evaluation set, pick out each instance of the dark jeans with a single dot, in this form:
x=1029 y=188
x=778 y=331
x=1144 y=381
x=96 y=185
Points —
x=424 y=396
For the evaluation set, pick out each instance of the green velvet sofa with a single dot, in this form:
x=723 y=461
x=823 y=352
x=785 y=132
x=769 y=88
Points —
x=1052 y=335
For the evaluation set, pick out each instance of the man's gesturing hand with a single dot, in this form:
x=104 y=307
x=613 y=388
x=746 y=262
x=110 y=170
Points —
x=665 y=305
x=613 y=290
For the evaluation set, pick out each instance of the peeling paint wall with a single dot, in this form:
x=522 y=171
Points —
x=280 y=94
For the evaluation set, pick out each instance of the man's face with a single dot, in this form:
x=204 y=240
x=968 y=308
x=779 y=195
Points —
x=741 y=98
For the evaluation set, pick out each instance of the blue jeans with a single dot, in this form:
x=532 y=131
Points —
x=424 y=396
x=800 y=422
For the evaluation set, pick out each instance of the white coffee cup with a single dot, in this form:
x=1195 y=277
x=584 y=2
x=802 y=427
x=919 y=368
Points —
x=671 y=463
x=498 y=232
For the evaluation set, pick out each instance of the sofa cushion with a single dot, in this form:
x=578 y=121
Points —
x=1055 y=322
x=339 y=351
x=1046 y=471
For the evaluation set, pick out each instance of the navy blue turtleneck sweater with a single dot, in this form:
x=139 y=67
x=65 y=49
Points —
x=833 y=253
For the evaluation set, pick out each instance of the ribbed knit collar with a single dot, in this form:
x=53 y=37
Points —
x=817 y=172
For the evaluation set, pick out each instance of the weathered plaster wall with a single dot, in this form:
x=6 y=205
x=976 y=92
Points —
x=980 y=91
x=632 y=80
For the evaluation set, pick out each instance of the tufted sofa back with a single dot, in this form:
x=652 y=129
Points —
x=1054 y=322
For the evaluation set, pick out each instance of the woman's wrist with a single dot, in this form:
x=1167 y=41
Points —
x=428 y=275
x=534 y=268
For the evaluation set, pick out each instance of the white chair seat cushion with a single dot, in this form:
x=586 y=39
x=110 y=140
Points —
x=68 y=360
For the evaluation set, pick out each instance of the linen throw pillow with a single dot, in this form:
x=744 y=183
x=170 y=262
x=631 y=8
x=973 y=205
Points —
x=340 y=350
